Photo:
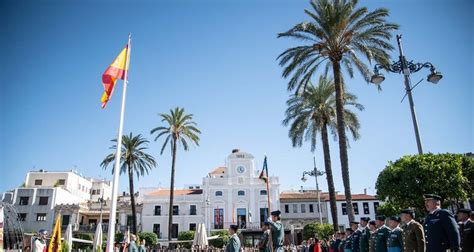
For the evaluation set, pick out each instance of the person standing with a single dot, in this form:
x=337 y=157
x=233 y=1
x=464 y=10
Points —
x=39 y=244
x=441 y=230
x=233 y=245
x=373 y=234
x=355 y=236
x=395 y=240
x=264 y=244
x=142 y=247
x=466 y=229
x=413 y=235
x=277 y=231
x=382 y=233
x=364 y=235
x=132 y=247
x=347 y=246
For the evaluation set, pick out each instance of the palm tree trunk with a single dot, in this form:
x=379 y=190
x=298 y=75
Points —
x=327 y=166
x=132 y=199
x=341 y=132
x=173 y=163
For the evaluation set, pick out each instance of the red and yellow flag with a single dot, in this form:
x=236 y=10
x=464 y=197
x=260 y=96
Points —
x=55 y=242
x=115 y=71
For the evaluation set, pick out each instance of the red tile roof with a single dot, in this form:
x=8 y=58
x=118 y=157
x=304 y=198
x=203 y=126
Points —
x=218 y=170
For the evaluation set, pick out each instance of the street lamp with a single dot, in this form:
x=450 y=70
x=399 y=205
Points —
x=405 y=67
x=102 y=203
x=316 y=174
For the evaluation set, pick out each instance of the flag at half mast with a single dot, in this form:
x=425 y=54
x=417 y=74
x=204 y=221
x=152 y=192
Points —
x=114 y=72
x=264 y=174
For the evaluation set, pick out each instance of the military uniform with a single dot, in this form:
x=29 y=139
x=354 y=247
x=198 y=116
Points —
x=413 y=237
x=467 y=235
x=348 y=244
x=355 y=240
x=264 y=245
x=441 y=231
x=364 y=240
x=277 y=232
x=233 y=245
x=381 y=237
x=395 y=240
x=372 y=241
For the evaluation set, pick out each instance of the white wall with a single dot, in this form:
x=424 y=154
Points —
x=343 y=220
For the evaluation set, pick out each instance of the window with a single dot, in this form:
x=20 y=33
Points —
x=295 y=208
x=192 y=226
x=24 y=201
x=219 y=193
x=175 y=211
x=311 y=208
x=22 y=216
x=43 y=201
x=263 y=192
x=65 y=221
x=41 y=217
x=344 y=210
x=365 y=205
x=287 y=208
x=303 y=208
x=156 y=229
x=157 y=210
x=376 y=205
x=174 y=231
x=218 y=218
x=192 y=210
x=129 y=220
x=38 y=181
x=61 y=182
x=241 y=193
x=355 y=206
x=263 y=215
x=79 y=187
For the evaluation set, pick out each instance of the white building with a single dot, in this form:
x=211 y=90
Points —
x=229 y=194
x=364 y=205
x=43 y=190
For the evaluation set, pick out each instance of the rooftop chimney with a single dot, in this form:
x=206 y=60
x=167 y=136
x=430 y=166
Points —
x=235 y=150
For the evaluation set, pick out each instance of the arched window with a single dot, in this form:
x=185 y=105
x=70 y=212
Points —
x=218 y=193
x=263 y=192
x=241 y=193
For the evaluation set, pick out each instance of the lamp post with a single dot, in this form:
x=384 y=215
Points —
x=316 y=174
x=405 y=67
x=102 y=203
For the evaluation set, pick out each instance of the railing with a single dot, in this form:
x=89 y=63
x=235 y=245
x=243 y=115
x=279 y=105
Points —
x=92 y=228
x=242 y=225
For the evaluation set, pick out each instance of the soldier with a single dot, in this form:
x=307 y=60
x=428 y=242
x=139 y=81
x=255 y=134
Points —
x=466 y=229
x=413 y=234
x=373 y=234
x=39 y=244
x=348 y=241
x=441 y=230
x=264 y=244
x=233 y=245
x=365 y=234
x=277 y=231
x=381 y=234
x=395 y=240
x=355 y=236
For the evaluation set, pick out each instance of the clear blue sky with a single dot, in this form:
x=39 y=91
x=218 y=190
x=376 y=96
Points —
x=217 y=59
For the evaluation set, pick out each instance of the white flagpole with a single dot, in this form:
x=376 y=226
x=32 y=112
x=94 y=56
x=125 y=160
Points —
x=115 y=184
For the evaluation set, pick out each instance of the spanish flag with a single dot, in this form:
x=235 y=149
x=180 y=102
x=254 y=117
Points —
x=114 y=72
x=55 y=242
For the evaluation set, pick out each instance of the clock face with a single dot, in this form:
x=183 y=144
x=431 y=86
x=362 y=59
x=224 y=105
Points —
x=240 y=169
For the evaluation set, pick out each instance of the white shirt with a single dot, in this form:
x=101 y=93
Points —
x=39 y=246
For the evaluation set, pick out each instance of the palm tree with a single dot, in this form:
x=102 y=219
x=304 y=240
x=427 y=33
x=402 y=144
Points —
x=311 y=113
x=179 y=129
x=340 y=32
x=133 y=160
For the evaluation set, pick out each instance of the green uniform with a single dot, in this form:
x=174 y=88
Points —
x=364 y=240
x=341 y=245
x=395 y=240
x=278 y=234
x=372 y=241
x=264 y=244
x=348 y=244
x=233 y=245
x=381 y=237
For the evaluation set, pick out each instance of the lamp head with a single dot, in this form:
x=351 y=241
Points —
x=434 y=77
x=303 y=178
x=377 y=78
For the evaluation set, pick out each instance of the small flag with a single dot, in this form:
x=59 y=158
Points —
x=115 y=71
x=55 y=242
x=264 y=174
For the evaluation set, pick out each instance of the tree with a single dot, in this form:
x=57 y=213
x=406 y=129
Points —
x=150 y=238
x=179 y=130
x=321 y=231
x=186 y=236
x=314 y=112
x=402 y=183
x=133 y=160
x=221 y=241
x=339 y=31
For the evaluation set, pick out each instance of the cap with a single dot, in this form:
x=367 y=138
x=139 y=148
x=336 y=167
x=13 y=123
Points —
x=366 y=219
x=355 y=222
x=465 y=210
x=234 y=227
x=408 y=211
x=394 y=218
x=349 y=229
x=432 y=197
x=276 y=213
x=42 y=232
x=372 y=222
x=380 y=217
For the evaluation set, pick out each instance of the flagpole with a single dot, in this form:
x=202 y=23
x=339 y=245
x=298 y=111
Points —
x=115 y=183
x=270 y=240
